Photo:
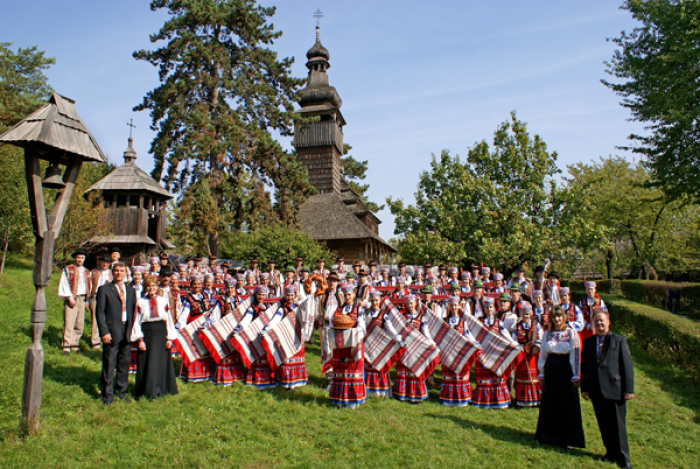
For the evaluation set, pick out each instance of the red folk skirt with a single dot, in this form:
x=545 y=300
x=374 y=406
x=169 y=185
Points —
x=260 y=375
x=292 y=373
x=230 y=370
x=347 y=387
x=377 y=384
x=199 y=370
x=491 y=391
x=134 y=357
x=407 y=387
x=527 y=387
x=455 y=391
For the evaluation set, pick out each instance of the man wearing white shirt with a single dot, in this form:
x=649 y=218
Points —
x=74 y=288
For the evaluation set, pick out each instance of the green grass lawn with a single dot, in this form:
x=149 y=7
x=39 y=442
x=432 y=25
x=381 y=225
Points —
x=238 y=426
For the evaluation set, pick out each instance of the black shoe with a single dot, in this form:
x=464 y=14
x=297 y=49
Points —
x=604 y=458
x=107 y=402
x=66 y=353
x=624 y=464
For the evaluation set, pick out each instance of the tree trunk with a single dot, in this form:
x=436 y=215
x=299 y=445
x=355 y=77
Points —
x=608 y=263
x=214 y=243
x=6 y=242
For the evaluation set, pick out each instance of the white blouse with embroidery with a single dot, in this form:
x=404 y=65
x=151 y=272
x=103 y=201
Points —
x=147 y=311
x=560 y=343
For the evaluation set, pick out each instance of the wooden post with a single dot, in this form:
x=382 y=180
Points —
x=45 y=231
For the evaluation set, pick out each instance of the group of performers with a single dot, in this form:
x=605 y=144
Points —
x=250 y=325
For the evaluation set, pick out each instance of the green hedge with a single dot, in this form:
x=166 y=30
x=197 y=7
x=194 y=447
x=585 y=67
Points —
x=672 y=337
x=654 y=293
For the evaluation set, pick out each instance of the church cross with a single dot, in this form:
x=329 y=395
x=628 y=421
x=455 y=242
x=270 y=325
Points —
x=132 y=126
x=318 y=15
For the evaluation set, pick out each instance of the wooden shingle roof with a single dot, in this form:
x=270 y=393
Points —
x=326 y=217
x=129 y=177
x=56 y=126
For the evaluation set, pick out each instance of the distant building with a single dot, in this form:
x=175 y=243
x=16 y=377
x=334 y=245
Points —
x=336 y=216
x=136 y=209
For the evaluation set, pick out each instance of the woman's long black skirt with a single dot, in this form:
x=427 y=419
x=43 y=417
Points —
x=155 y=372
x=559 y=422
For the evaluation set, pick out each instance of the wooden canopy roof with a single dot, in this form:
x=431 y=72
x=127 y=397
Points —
x=56 y=126
x=131 y=178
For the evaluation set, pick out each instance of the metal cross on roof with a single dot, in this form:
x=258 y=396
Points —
x=131 y=124
x=318 y=15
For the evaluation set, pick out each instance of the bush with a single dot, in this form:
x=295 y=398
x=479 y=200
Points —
x=655 y=294
x=665 y=334
x=278 y=243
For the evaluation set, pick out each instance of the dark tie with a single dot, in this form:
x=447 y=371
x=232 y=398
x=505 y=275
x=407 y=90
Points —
x=601 y=342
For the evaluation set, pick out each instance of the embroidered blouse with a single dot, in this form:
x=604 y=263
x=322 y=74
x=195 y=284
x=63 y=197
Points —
x=152 y=310
x=561 y=342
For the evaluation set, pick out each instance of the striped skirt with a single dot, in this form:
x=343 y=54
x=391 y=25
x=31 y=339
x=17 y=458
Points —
x=202 y=369
x=292 y=373
x=527 y=387
x=491 y=391
x=455 y=391
x=407 y=387
x=230 y=370
x=347 y=387
x=260 y=375
x=377 y=384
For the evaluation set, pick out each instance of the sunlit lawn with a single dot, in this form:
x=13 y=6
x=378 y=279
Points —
x=238 y=426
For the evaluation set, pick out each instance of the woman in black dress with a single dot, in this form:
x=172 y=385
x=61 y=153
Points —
x=154 y=333
x=559 y=365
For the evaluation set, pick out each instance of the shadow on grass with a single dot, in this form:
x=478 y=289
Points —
x=87 y=380
x=512 y=435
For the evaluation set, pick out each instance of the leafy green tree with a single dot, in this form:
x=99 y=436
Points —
x=222 y=91
x=646 y=230
x=276 y=242
x=23 y=85
x=502 y=205
x=354 y=171
x=658 y=65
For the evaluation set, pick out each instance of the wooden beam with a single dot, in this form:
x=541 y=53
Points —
x=36 y=195
x=61 y=205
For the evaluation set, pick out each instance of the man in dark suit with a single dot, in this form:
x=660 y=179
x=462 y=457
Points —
x=115 y=317
x=607 y=379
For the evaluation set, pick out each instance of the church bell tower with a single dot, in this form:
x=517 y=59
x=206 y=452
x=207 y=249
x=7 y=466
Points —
x=319 y=144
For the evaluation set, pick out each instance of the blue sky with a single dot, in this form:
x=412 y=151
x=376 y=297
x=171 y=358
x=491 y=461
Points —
x=415 y=77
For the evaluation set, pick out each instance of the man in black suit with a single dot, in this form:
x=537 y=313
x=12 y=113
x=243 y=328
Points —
x=607 y=379
x=115 y=317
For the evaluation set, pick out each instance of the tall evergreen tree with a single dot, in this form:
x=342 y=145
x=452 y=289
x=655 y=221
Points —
x=222 y=91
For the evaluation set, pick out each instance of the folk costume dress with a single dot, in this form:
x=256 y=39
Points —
x=292 y=373
x=527 y=386
x=231 y=368
x=559 y=422
x=138 y=289
x=347 y=386
x=407 y=386
x=586 y=305
x=153 y=326
x=193 y=306
x=456 y=391
x=260 y=373
x=376 y=382
x=491 y=390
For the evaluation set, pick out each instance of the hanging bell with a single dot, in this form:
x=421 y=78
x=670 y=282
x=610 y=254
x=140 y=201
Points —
x=53 y=178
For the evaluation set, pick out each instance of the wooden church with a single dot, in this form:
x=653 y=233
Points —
x=135 y=204
x=335 y=216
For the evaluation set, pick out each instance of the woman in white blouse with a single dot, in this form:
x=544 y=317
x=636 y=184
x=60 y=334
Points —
x=559 y=366
x=154 y=333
